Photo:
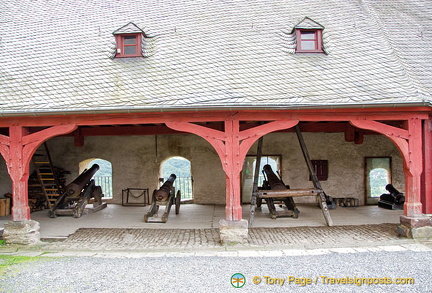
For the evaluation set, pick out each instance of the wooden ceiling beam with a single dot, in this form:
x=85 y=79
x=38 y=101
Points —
x=125 y=130
x=160 y=129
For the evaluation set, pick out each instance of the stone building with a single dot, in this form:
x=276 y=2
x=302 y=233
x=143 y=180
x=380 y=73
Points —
x=137 y=82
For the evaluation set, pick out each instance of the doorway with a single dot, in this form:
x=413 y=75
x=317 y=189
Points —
x=378 y=175
x=248 y=173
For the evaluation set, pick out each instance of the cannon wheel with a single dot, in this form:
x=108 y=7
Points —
x=177 y=202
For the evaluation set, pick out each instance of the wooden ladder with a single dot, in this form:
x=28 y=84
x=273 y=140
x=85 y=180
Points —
x=48 y=180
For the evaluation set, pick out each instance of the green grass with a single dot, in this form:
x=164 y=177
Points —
x=9 y=261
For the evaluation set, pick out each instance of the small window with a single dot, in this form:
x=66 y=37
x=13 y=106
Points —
x=128 y=45
x=309 y=41
x=309 y=34
x=128 y=41
x=321 y=169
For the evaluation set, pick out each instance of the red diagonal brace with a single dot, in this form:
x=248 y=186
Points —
x=409 y=143
x=232 y=146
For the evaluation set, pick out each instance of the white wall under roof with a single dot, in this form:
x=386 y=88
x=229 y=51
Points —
x=136 y=161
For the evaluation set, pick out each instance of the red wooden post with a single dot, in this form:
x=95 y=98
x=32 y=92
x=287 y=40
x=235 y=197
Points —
x=18 y=168
x=232 y=167
x=427 y=176
x=414 y=169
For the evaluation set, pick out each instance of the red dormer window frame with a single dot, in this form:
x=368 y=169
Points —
x=309 y=41
x=125 y=45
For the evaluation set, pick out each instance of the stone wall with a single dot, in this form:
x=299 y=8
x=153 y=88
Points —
x=346 y=161
x=136 y=161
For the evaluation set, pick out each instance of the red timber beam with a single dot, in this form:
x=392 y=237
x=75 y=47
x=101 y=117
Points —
x=409 y=143
x=94 y=118
x=427 y=176
x=232 y=146
x=17 y=150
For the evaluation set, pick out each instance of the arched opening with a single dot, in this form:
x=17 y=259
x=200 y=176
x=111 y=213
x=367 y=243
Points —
x=103 y=176
x=378 y=175
x=181 y=167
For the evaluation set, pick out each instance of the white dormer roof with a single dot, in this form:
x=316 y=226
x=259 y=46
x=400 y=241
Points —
x=308 y=23
x=129 y=28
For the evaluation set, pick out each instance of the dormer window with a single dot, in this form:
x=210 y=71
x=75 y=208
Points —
x=128 y=41
x=309 y=41
x=309 y=36
x=128 y=45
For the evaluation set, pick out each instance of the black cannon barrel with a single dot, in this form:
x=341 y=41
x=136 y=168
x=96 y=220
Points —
x=75 y=187
x=393 y=191
x=163 y=192
x=273 y=179
x=395 y=196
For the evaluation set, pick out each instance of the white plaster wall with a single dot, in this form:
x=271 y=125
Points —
x=346 y=161
x=136 y=161
x=5 y=182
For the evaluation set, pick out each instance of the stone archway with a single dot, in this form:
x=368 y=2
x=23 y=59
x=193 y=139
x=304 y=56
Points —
x=181 y=167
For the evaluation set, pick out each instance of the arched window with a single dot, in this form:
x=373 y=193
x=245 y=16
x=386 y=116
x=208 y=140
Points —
x=103 y=176
x=378 y=178
x=181 y=167
x=378 y=175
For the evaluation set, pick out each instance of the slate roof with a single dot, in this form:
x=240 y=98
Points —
x=56 y=55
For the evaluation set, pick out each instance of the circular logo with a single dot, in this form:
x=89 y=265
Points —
x=238 y=280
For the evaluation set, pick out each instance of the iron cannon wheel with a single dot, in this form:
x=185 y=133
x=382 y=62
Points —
x=177 y=202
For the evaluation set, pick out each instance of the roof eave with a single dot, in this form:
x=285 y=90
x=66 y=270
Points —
x=96 y=111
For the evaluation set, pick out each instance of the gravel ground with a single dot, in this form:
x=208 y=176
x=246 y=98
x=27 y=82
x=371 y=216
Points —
x=213 y=273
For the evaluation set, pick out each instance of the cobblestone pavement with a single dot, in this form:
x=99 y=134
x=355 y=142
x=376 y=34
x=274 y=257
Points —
x=117 y=239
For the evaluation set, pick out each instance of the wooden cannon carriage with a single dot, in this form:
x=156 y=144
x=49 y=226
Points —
x=167 y=196
x=275 y=190
x=73 y=201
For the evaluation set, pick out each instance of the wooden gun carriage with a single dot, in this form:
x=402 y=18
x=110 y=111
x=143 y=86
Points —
x=73 y=201
x=275 y=190
x=167 y=196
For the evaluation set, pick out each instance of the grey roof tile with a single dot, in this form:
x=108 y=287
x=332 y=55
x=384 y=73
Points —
x=57 y=55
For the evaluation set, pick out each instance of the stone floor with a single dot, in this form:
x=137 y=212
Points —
x=193 y=216
x=135 y=239
x=195 y=228
x=121 y=230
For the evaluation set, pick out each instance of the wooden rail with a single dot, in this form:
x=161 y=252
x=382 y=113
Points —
x=288 y=193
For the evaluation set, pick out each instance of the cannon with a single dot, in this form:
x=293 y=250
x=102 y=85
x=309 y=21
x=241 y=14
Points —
x=165 y=195
x=393 y=201
x=77 y=194
x=274 y=183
